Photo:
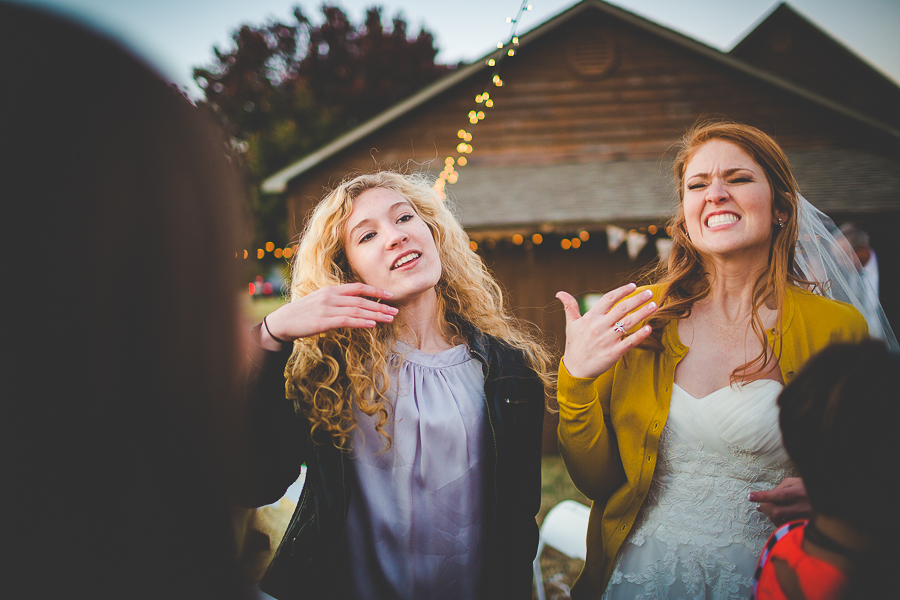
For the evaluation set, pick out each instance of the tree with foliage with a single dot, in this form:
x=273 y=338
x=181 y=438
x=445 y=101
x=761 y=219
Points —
x=286 y=89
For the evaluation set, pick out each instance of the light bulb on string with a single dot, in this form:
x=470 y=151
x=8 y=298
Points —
x=449 y=174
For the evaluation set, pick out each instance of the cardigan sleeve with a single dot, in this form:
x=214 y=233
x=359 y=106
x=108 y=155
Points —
x=587 y=441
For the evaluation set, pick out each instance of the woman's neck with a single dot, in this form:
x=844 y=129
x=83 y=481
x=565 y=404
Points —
x=731 y=289
x=421 y=326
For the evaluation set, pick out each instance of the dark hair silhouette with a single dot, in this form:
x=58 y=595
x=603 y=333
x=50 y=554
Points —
x=838 y=419
x=122 y=215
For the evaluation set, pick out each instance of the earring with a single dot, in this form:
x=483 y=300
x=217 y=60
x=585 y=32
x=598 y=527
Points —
x=780 y=223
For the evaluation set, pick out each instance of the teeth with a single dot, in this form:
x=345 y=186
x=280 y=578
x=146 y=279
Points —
x=716 y=220
x=406 y=259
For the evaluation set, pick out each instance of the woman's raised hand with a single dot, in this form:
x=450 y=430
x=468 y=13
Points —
x=332 y=307
x=597 y=340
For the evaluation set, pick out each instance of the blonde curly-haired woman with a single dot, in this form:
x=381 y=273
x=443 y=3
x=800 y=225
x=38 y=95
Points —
x=414 y=398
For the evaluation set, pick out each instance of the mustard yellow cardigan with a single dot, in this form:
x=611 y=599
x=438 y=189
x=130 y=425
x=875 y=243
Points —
x=609 y=427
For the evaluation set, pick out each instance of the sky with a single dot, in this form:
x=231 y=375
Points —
x=177 y=35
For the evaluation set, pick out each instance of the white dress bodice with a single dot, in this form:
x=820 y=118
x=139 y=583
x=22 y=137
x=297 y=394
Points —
x=698 y=535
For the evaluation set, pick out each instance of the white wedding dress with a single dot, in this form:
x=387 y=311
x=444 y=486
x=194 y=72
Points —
x=697 y=535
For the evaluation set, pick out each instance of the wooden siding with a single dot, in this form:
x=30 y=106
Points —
x=552 y=112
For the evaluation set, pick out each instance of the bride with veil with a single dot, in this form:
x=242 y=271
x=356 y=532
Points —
x=667 y=394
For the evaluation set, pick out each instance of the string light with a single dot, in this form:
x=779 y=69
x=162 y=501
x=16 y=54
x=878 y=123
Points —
x=504 y=50
x=567 y=240
x=285 y=252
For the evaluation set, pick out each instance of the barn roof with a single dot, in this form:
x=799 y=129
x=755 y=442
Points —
x=569 y=176
x=788 y=44
x=567 y=197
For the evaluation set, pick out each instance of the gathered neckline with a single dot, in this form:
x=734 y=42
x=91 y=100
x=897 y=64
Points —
x=762 y=382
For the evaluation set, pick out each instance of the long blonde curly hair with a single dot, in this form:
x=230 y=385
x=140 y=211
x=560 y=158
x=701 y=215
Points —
x=685 y=275
x=331 y=374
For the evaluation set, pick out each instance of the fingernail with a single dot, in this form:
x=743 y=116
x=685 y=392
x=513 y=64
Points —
x=647 y=293
x=633 y=285
x=651 y=305
x=394 y=310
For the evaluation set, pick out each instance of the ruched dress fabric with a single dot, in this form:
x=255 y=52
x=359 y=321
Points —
x=414 y=528
x=697 y=535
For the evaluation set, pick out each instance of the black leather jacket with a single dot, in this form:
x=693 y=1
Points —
x=312 y=558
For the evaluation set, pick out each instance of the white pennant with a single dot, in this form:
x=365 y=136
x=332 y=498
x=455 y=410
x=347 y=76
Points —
x=663 y=246
x=636 y=242
x=615 y=236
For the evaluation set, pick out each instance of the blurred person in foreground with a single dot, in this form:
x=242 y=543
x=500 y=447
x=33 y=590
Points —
x=121 y=214
x=399 y=376
x=667 y=393
x=838 y=418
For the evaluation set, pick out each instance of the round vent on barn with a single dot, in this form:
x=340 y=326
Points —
x=592 y=53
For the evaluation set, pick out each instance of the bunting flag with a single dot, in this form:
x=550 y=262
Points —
x=663 y=245
x=635 y=242
x=615 y=236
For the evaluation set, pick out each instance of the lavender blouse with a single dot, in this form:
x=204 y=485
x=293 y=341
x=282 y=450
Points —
x=414 y=528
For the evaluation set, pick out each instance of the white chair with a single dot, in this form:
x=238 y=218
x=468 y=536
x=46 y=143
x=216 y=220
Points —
x=565 y=529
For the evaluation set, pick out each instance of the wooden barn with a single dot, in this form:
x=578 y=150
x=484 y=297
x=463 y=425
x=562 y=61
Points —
x=566 y=182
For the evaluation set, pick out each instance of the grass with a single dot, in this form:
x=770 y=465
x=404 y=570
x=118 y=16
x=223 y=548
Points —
x=256 y=308
x=556 y=486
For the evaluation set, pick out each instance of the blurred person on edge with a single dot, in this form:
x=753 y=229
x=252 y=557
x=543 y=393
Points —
x=124 y=343
x=857 y=245
x=838 y=418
